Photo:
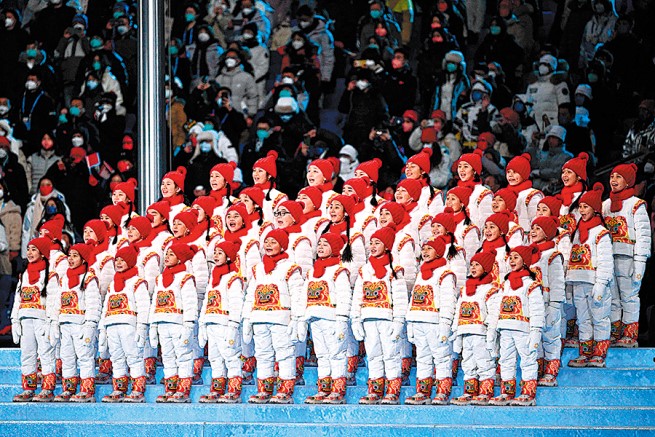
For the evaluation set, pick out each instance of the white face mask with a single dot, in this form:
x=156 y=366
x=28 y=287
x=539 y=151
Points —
x=4 y=109
x=230 y=62
x=167 y=93
x=2 y=193
x=3 y=153
x=246 y=11
x=9 y=22
x=248 y=36
x=80 y=27
x=297 y=44
x=362 y=84
x=30 y=85
x=122 y=29
x=30 y=64
x=55 y=2
x=543 y=70
x=304 y=24
x=203 y=37
x=77 y=141
x=287 y=80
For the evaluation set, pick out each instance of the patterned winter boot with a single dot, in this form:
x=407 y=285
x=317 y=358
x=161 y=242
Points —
x=138 y=394
x=69 y=387
x=405 y=369
x=198 y=363
x=151 y=368
x=264 y=391
x=586 y=349
x=527 y=396
x=181 y=396
x=550 y=374
x=300 y=370
x=423 y=394
x=507 y=393
x=87 y=392
x=171 y=387
x=104 y=371
x=233 y=395
x=58 y=366
x=455 y=364
x=572 y=334
x=353 y=362
x=284 y=392
x=247 y=369
x=541 y=363
x=444 y=386
x=393 y=392
x=47 y=389
x=375 y=392
x=29 y=387
x=616 y=332
x=599 y=354
x=471 y=388
x=486 y=392
x=216 y=391
x=324 y=389
x=338 y=395
x=120 y=388
x=630 y=336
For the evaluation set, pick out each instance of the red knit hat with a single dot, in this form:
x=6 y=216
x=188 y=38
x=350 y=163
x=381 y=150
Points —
x=413 y=187
x=43 y=244
x=177 y=177
x=511 y=115
x=336 y=165
x=526 y=253
x=225 y=169
x=486 y=259
x=594 y=197
x=325 y=167
x=162 y=208
x=183 y=252
x=371 y=168
x=256 y=194
x=396 y=210
x=411 y=114
x=314 y=195
x=422 y=158
x=438 y=113
x=85 y=250
x=128 y=187
x=548 y=225
x=446 y=220
x=189 y=217
x=143 y=225
x=438 y=244
x=360 y=185
x=474 y=160
x=128 y=254
x=521 y=165
x=462 y=193
x=268 y=163
x=53 y=228
x=554 y=203
x=486 y=140
x=114 y=212
x=429 y=135
x=99 y=228
x=295 y=209
x=348 y=203
x=240 y=209
x=508 y=196
x=281 y=236
x=231 y=248
x=629 y=173
x=335 y=240
x=500 y=219
x=387 y=235
x=578 y=165
x=207 y=203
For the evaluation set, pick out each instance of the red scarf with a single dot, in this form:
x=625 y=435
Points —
x=359 y=206
x=311 y=215
x=97 y=250
x=340 y=228
x=428 y=268
x=618 y=198
x=154 y=232
x=236 y=236
x=520 y=187
x=265 y=187
x=468 y=184
x=75 y=274
x=568 y=193
x=409 y=206
x=585 y=226
x=168 y=275
x=219 y=195
x=487 y=245
x=121 y=277
x=271 y=261
x=544 y=245
x=321 y=263
x=423 y=181
x=175 y=199
x=325 y=187
x=219 y=271
x=34 y=270
x=379 y=264
x=516 y=278
x=473 y=283
x=459 y=216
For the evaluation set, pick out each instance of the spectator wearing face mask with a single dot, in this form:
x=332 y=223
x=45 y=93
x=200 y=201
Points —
x=106 y=82
x=245 y=12
x=259 y=59
x=527 y=124
x=35 y=112
x=477 y=116
x=548 y=91
x=49 y=24
x=521 y=30
x=430 y=59
x=13 y=39
x=204 y=56
x=35 y=60
x=75 y=119
x=186 y=25
x=72 y=48
x=452 y=85
x=212 y=148
x=547 y=163
x=509 y=140
x=447 y=12
x=242 y=84
x=126 y=46
x=369 y=24
x=598 y=30
x=266 y=138
x=400 y=84
x=110 y=127
x=15 y=180
x=15 y=145
x=300 y=71
x=315 y=27
x=103 y=57
x=39 y=162
x=444 y=131
x=499 y=46
x=349 y=162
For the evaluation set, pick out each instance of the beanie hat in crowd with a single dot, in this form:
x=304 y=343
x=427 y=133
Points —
x=438 y=244
x=281 y=236
x=335 y=240
x=314 y=195
x=99 y=228
x=43 y=244
x=413 y=188
x=183 y=252
x=128 y=187
x=85 y=251
x=578 y=165
x=548 y=224
x=128 y=254
x=593 y=197
x=371 y=168
x=462 y=193
x=508 y=196
x=521 y=165
x=446 y=220
x=226 y=170
x=143 y=225
x=230 y=248
x=422 y=158
x=177 y=177
x=473 y=159
x=396 y=210
x=486 y=259
x=268 y=163
x=629 y=173
x=256 y=194
x=325 y=167
x=295 y=209
x=162 y=207
x=348 y=203
x=500 y=219
x=387 y=235
x=554 y=203
x=189 y=217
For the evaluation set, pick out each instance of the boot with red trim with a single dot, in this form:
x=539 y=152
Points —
x=69 y=388
x=151 y=369
x=338 y=395
x=444 y=386
x=284 y=392
x=630 y=336
x=392 y=397
x=233 y=395
x=120 y=388
x=423 y=394
x=29 y=387
x=47 y=389
x=104 y=371
x=599 y=354
x=550 y=374
x=485 y=394
x=586 y=350
x=138 y=394
x=181 y=396
x=171 y=387
x=507 y=393
x=324 y=390
x=198 y=364
x=264 y=393
x=528 y=394
x=87 y=392
x=247 y=369
x=471 y=389
x=375 y=392
x=217 y=390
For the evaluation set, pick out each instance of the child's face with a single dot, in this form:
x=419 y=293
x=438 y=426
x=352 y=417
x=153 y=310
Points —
x=216 y=181
x=157 y=219
x=283 y=218
x=515 y=262
x=314 y=176
x=234 y=221
x=259 y=175
x=247 y=202
x=201 y=213
x=513 y=178
x=491 y=231
x=498 y=204
x=170 y=259
x=323 y=249
x=537 y=235
x=476 y=269
x=272 y=247
x=308 y=206
x=586 y=211
x=438 y=230
x=179 y=229
x=168 y=188
x=569 y=178
x=120 y=265
x=118 y=196
x=428 y=253
x=74 y=259
x=402 y=196
x=337 y=212
x=89 y=234
x=543 y=210
x=465 y=171
x=105 y=218
x=133 y=234
x=385 y=217
x=412 y=171
x=376 y=247
x=617 y=183
x=220 y=257
x=453 y=202
x=33 y=254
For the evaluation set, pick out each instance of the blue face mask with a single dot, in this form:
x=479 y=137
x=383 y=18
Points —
x=207 y=127
x=285 y=93
x=205 y=147
x=31 y=53
x=476 y=96
x=592 y=77
x=286 y=117
x=173 y=51
x=376 y=13
x=95 y=43
x=97 y=65
x=373 y=46
x=519 y=107
x=74 y=111
x=117 y=14
x=62 y=118
x=451 y=67
x=262 y=134
x=91 y=84
x=494 y=30
x=51 y=209
x=189 y=17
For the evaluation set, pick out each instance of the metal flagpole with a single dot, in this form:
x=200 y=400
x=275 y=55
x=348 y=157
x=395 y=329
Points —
x=151 y=117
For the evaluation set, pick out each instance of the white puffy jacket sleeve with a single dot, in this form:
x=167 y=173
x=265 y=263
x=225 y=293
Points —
x=356 y=306
x=151 y=269
x=344 y=294
x=537 y=308
x=471 y=243
x=458 y=266
x=447 y=299
x=189 y=299
x=295 y=283
x=53 y=299
x=406 y=258
x=92 y=301
x=235 y=298
x=359 y=257
x=556 y=281
x=303 y=255
x=399 y=295
x=604 y=259
x=142 y=298
x=642 y=234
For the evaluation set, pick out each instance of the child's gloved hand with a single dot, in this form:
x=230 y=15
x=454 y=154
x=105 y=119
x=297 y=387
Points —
x=358 y=329
x=247 y=331
x=202 y=335
x=154 y=337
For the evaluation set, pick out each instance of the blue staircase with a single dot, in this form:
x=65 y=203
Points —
x=617 y=400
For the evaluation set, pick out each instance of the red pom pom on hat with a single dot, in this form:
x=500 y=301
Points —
x=628 y=172
x=594 y=197
x=422 y=158
x=578 y=165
